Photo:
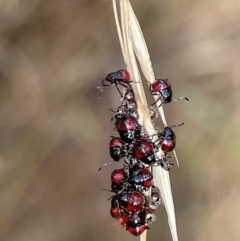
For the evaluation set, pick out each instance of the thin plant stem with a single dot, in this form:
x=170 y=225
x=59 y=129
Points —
x=133 y=45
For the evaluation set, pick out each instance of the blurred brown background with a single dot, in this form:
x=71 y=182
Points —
x=55 y=131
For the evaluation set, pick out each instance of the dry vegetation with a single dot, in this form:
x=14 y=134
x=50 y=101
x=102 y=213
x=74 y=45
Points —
x=55 y=131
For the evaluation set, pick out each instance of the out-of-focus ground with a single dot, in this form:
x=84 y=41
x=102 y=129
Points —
x=54 y=132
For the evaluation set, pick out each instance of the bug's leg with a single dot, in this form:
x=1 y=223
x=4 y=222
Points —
x=161 y=104
x=155 y=101
x=119 y=90
x=127 y=85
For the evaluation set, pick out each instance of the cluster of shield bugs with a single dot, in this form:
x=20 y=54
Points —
x=130 y=205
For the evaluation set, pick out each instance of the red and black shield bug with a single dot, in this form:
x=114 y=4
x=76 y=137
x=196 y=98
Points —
x=168 y=138
x=136 y=223
x=127 y=128
x=163 y=89
x=118 y=178
x=142 y=179
x=115 y=209
x=116 y=147
x=131 y=201
x=120 y=77
x=144 y=151
x=136 y=229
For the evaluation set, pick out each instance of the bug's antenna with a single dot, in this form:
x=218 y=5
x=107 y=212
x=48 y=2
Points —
x=105 y=164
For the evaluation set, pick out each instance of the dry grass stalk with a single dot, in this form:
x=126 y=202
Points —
x=133 y=44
